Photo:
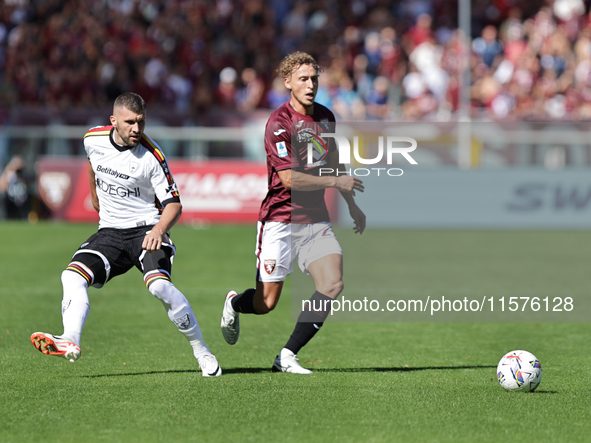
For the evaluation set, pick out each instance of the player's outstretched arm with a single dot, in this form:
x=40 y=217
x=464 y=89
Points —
x=170 y=215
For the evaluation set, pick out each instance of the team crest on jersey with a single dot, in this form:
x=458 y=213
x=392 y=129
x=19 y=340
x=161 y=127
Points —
x=183 y=322
x=133 y=167
x=305 y=135
x=270 y=266
x=324 y=122
x=316 y=143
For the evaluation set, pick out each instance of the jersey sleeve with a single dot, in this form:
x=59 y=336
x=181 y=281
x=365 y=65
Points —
x=92 y=133
x=86 y=148
x=86 y=141
x=165 y=187
x=278 y=143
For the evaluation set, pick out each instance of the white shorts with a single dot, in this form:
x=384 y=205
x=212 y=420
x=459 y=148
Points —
x=278 y=244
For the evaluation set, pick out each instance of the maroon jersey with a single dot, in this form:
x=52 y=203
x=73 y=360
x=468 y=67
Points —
x=287 y=136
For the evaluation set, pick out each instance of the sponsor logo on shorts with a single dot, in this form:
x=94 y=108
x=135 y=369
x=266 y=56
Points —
x=270 y=266
x=183 y=322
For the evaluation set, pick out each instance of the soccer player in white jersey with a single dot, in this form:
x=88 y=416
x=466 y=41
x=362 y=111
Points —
x=138 y=203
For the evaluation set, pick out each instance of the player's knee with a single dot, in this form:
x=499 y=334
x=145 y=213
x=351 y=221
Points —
x=332 y=289
x=88 y=266
x=158 y=287
x=71 y=278
x=167 y=293
x=339 y=286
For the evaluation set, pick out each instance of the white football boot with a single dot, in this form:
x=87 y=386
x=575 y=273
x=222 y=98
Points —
x=230 y=322
x=55 y=345
x=286 y=361
x=209 y=366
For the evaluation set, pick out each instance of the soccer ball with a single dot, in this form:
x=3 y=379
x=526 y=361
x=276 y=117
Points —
x=519 y=371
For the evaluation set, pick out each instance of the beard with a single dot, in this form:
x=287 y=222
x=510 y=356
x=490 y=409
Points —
x=127 y=140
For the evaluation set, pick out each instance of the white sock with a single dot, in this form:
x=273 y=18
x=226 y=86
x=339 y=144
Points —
x=75 y=305
x=180 y=313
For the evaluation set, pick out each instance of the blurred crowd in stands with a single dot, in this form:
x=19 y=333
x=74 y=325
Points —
x=382 y=59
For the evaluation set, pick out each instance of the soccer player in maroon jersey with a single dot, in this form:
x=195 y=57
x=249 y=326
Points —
x=293 y=219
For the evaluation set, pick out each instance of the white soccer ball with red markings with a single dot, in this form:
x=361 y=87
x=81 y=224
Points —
x=519 y=371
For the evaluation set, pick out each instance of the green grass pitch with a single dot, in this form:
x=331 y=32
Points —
x=137 y=380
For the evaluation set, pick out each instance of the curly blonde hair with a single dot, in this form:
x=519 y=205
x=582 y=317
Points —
x=294 y=60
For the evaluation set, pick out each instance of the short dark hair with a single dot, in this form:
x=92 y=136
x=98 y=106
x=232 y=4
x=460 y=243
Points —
x=294 y=60
x=132 y=101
